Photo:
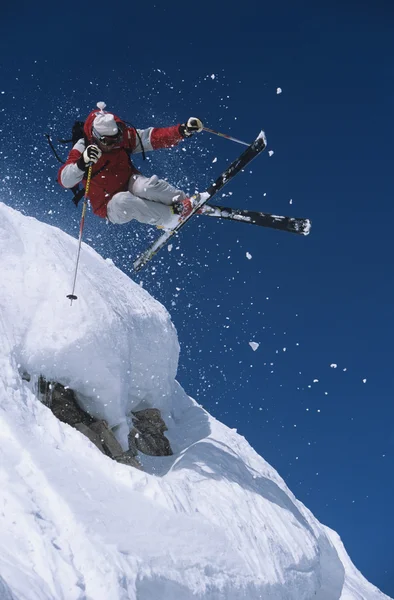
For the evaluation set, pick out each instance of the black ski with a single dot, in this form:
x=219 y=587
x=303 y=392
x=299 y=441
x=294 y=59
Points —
x=240 y=163
x=291 y=224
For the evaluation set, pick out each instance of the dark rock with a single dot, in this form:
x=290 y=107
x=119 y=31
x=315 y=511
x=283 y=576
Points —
x=93 y=437
x=147 y=435
x=110 y=444
x=65 y=407
x=128 y=459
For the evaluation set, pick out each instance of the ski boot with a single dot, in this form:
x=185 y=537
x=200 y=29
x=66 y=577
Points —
x=183 y=208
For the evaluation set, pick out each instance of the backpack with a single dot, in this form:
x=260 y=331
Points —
x=77 y=132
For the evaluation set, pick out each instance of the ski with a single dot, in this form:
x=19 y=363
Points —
x=233 y=169
x=291 y=224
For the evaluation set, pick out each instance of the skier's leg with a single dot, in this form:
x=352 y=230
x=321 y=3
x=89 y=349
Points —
x=155 y=189
x=124 y=207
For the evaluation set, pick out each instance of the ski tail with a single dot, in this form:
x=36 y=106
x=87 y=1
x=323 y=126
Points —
x=290 y=224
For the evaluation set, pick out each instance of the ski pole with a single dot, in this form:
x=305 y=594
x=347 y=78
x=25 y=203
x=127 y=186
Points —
x=233 y=139
x=72 y=296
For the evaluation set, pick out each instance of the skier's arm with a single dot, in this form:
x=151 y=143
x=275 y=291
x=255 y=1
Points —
x=70 y=174
x=155 y=138
x=74 y=169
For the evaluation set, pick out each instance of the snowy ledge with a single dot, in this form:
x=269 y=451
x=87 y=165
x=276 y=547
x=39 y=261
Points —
x=213 y=521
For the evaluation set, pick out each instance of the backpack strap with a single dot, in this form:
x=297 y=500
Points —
x=139 y=139
x=47 y=135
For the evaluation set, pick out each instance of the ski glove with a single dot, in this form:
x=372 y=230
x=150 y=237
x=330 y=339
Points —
x=90 y=156
x=193 y=125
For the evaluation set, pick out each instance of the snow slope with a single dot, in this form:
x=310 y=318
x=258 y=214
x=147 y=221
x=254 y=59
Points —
x=212 y=522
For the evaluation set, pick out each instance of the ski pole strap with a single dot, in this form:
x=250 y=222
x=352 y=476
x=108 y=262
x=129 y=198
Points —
x=78 y=194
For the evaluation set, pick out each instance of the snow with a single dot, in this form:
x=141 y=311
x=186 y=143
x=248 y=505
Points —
x=262 y=136
x=248 y=256
x=212 y=522
x=254 y=346
x=271 y=152
x=278 y=90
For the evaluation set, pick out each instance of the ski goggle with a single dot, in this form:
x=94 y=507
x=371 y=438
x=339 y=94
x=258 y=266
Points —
x=108 y=140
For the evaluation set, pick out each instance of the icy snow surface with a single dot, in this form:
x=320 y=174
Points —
x=212 y=522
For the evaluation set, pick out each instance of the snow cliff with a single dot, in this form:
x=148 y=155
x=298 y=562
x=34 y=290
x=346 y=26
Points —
x=214 y=521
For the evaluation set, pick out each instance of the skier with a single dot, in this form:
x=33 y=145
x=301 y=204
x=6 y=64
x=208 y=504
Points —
x=118 y=191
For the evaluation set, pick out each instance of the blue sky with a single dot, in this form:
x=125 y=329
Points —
x=309 y=302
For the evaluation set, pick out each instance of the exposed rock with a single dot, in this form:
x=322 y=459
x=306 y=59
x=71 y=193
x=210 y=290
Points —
x=147 y=435
x=128 y=459
x=93 y=437
x=110 y=444
x=65 y=407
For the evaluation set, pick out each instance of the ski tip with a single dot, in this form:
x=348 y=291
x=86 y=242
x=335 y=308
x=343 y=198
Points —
x=262 y=136
x=306 y=229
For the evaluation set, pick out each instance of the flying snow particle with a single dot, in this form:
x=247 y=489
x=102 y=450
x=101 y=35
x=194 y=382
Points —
x=364 y=381
x=213 y=76
x=333 y=366
x=169 y=247
x=270 y=152
x=215 y=160
x=248 y=256
x=278 y=90
x=254 y=346
x=291 y=201
x=315 y=381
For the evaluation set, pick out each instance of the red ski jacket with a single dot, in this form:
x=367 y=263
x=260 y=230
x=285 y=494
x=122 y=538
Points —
x=115 y=166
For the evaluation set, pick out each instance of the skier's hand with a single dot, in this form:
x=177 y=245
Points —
x=193 y=125
x=90 y=156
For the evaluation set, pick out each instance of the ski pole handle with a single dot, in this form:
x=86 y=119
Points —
x=228 y=137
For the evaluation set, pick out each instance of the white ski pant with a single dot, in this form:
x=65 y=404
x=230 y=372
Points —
x=148 y=201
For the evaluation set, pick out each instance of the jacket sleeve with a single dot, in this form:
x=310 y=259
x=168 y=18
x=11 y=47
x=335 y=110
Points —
x=69 y=174
x=154 y=138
